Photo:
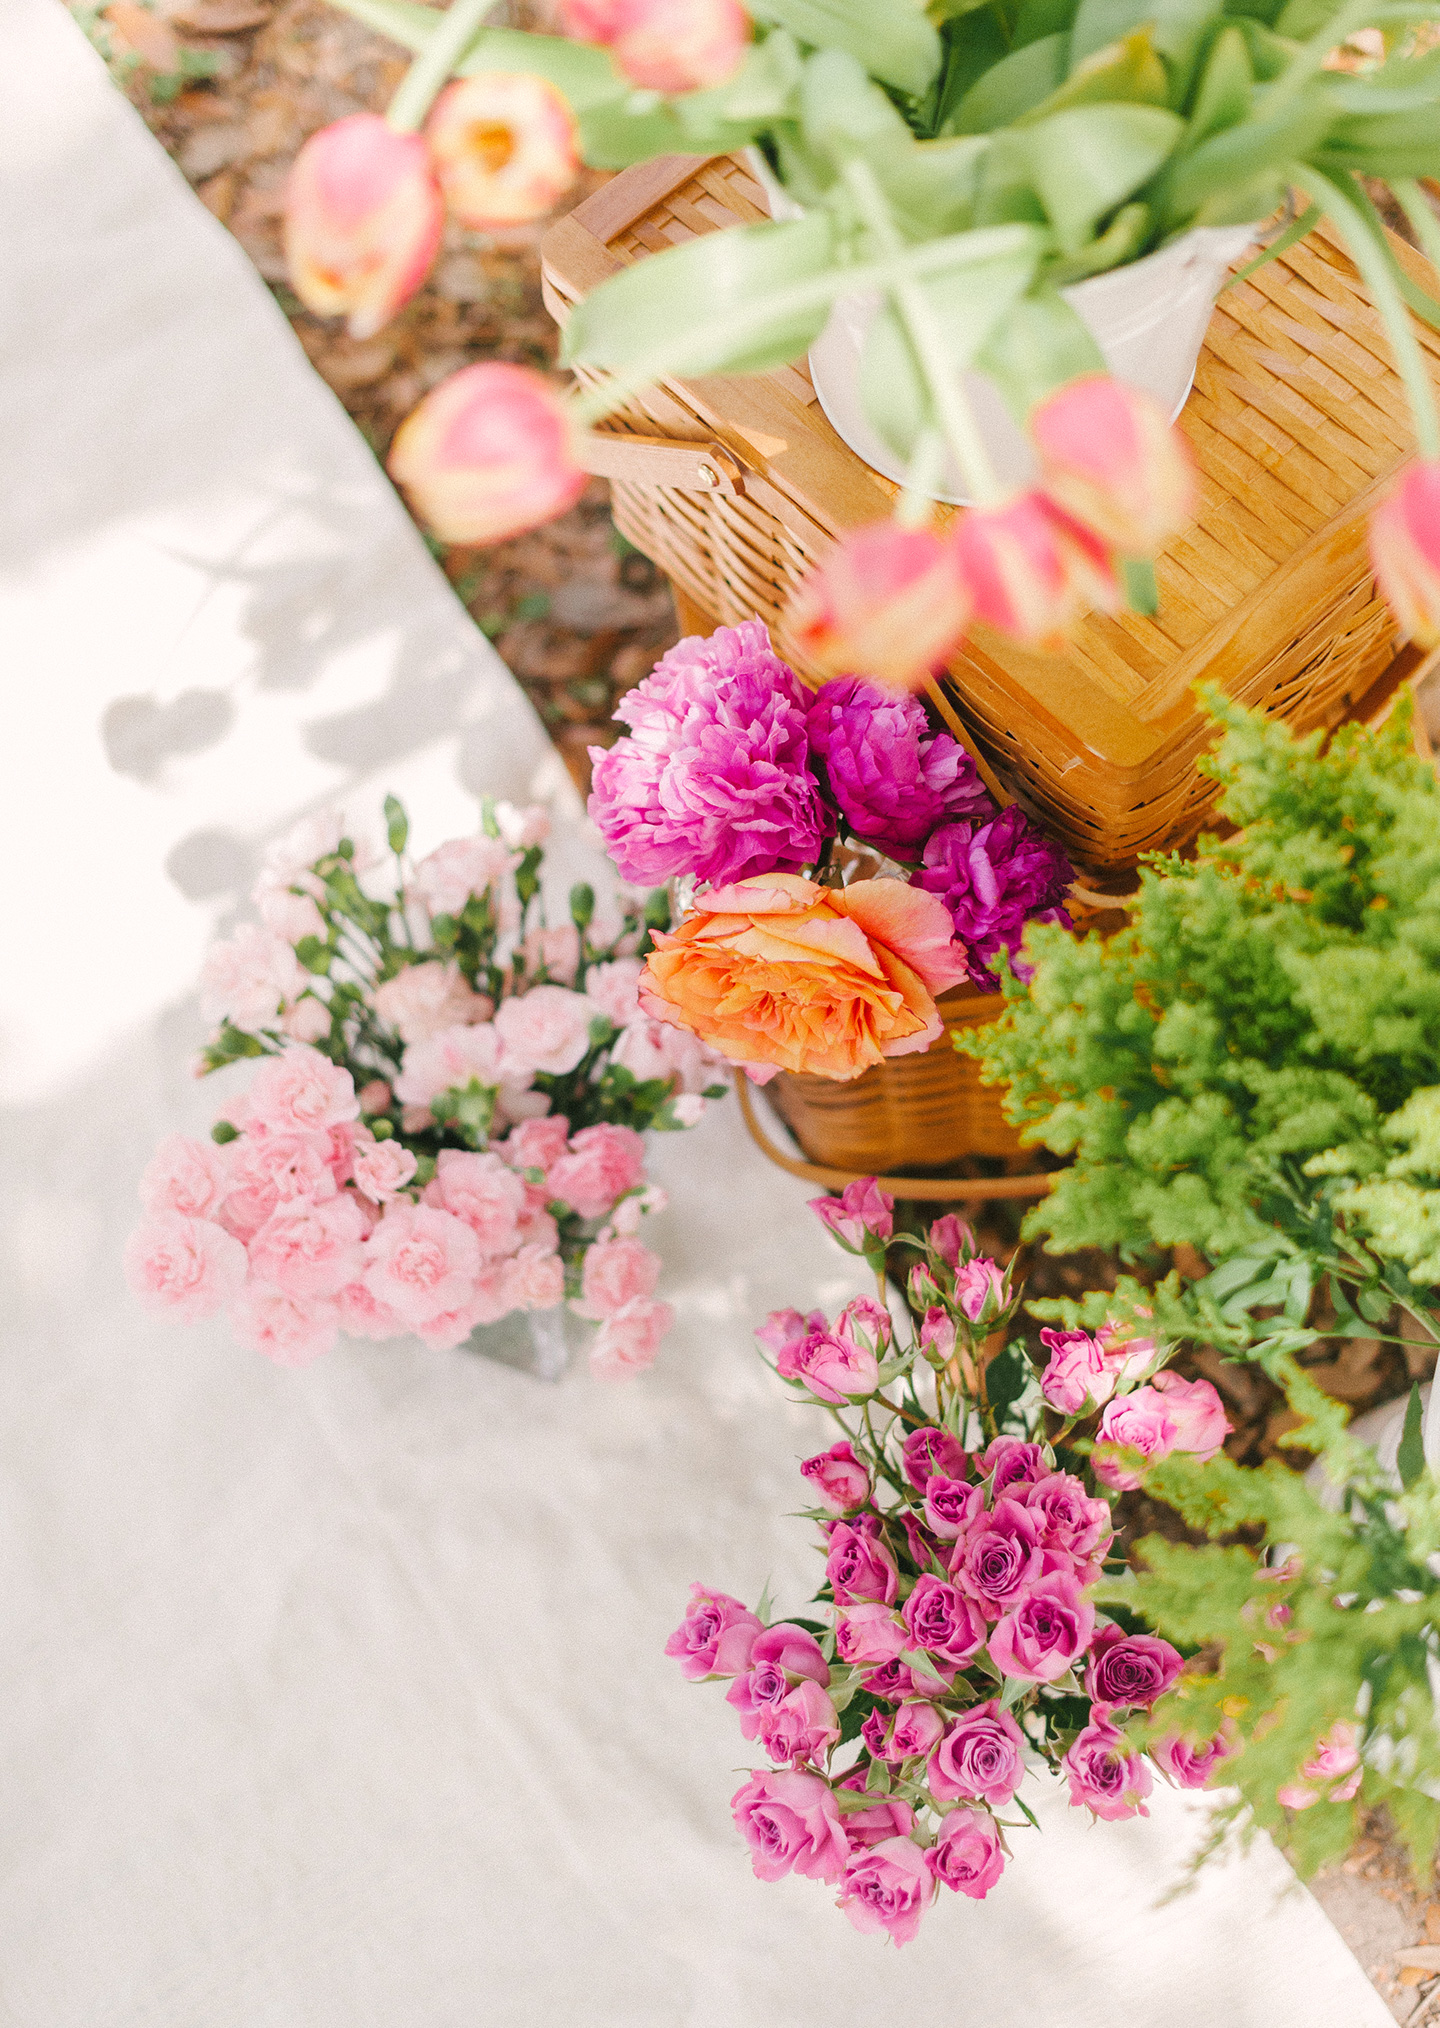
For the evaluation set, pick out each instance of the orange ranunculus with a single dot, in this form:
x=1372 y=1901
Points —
x=782 y=974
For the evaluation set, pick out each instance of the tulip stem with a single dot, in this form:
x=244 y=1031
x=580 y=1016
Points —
x=927 y=341
x=922 y=475
x=431 y=69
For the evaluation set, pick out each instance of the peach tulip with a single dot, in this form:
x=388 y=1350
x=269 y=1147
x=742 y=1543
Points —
x=363 y=219
x=780 y=973
x=888 y=603
x=503 y=147
x=487 y=454
x=1111 y=457
x=1405 y=550
x=665 y=45
x=1031 y=570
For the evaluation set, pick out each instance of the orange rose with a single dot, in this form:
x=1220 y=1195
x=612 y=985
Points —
x=782 y=973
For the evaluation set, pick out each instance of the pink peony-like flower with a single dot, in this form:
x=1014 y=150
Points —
x=833 y=1368
x=979 y=1288
x=248 y=978
x=291 y=1330
x=893 y=778
x=1105 y=1777
x=363 y=220
x=615 y=989
x=300 y=1092
x=838 y=1477
x=713 y=778
x=1405 y=551
x=887 y=602
x=488 y=453
x=1045 y=1632
x=426 y=998
x=995 y=877
x=1130 y=1669
x=536 y=1144
x=382 y=1169
x=862 y=1213
x=422 y=1263
x=952 y=1508
x=446 y=878
x=1111 y=457
x=503 y=148
x=1189 y=1766
x=860 y=1568
x=450 y=1061
x=532 y=1279
x=697 y=1638
x=629 y=1341
x=616 y=1271
x=545 y=1030
x=308 y=1250
x=791 y=1823
x=603 y=1164
x=927 y=1451
x=870 y=1633
x=967 y=1855
x=979 y=1759
x=186 y=1176
x=669 y=46
x=802 y=1725
x=888 y=1888
x=1197 y=1412
x=187 y=1267
x=483 y=1191
x=943 y=1622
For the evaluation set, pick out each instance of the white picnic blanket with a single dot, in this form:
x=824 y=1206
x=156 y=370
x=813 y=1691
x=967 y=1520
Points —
x=335 y=1698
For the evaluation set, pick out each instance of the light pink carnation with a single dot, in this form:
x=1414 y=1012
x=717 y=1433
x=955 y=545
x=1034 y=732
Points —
x=522 y=825
x=629 y=1341
x=604 y=1163
x=248 y=978
x=289 y=859
x=616 y=1272
x=382 y=1169
x=307 y=1021
x=291 y=1330
x=184 y=1266
x=291 y=916
x=301 y=1092
x=362 y=1316
x=533 y=1279
x=447 y=877
x=546 y=1029
x=423 y=1263
x=615 y=989
x=649 y=1049
x=307 y=1250
x=630 y=1210
x=450 y=1061
x=483 y=1191
x=536 y=1144
x=271 y=1169
x=427 y=998
x=554 y=951
x=187 y=1176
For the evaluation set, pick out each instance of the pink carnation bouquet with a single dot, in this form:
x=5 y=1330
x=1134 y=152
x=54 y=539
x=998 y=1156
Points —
x=445 y=1125
x=844 y=861
x=964 y=1636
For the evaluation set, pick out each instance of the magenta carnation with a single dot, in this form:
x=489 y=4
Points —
x=994 y=878
x=714 y=778
x=892 y=778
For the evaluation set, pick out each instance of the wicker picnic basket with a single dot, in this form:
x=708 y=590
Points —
x=736 y=486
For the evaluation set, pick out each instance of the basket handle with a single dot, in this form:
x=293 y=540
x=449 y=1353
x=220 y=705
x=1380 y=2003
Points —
x=932 y=1189
x=662 y=461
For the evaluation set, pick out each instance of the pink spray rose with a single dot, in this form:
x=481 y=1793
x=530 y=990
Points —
x=791 y=1823
x=967 y=1855
x=867 y=1323
x=185 y=1176
x=301 y=1092
x=708 y=1616
x=979 y=1759
x=952 y=1508
x=787 y=1327
x=916 y=1729
x=291 y=1330
x=943 y=1622
x=184 y=1266
x=937 y=1335
x=839 y=1478
x=801 y=1726
x=1010 y=1464
x=1070 y=1523
x=483 y=1191
x=1077 y=1371
x=616 y=1271
x=1130 y=1668
x=603 y=1163
x=630 y=1340
x=889 y=1887
x=426 y=998
x=423 y=1263
x=1000 y=1558
x=951 y=1237
x=1140 y=1422
x=1189 y=1766
x=834 y=1369
x=859 y=1568
x=870 y=1633
x=862 y=1213
x=546 y=1030
x=382 y=1169
x=888 y=1817
x=1197 y=1412
x=1046 y=1631
x=929 y=1450
x=978 y=1285
x=1105 y=1777
x=308 y=1250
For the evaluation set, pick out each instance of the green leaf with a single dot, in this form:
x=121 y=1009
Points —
x=1397 y=87
x=1410 y=1458
x=1042 y=344
x=977 y=44
x=1087 y=161
x=1175 y=23
x=1006 y=1378
x=397 y=825
x=1239 y=158
x=1227 y=89
x=222 y=1132
x=1383 y=144
x=1122 y=73
x=893 y=39
x=1011 y=87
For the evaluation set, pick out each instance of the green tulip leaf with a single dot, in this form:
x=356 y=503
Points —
x=1174 y=24
x=894 y=39
x=1226 y=90
x=1011 y=87
x=932 y=186
x=844 y=112
x=1383 y=144
x=1241 y=157
x=1087 y=161
x=1042 y=344
x=975 y=45
x=1397 y=87
x=1127 y=73
x=1041 y=17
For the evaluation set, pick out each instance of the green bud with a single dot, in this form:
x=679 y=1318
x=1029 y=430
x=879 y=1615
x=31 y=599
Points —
x=582 y=905
x=382 y=1129
x=314 y=955
x=398 y=824
x=222 y=1131
x=657 y=909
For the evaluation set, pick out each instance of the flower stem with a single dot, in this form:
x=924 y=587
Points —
x=431 y=69
x=916 y=504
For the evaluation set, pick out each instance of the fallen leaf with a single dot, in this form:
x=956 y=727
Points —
x=219 y=17
x=150 y=38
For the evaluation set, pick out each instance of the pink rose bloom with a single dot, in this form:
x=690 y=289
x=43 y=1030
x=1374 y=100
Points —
x=1045 y=1632
x=447 y=877
x=424 y=999
x=888 y=1888
x=1010 y=1464
x=951 y=1237
x=865 y=1322
x=301 y=1092
x=291 y=1330
x=979 y=1759
x=308 y=1020
x=916 y=1730
x=616 y=1271
x=184 y=1266
x=361 y=1316
x=838 y=1477
x=755 y=1696
x=1105 y=1777
x=185 y=1176
x=545 y=1030
x=248 y=978
x=1188 y=1766
x=967 y=1855
x=1130 y=1669
x=937 y=1335
x=450 y=1061
x=863 y=1213
x=556 y=952
x=979 y=1285
x=382 y=1169
x=834 y=1369
x=482 y=1190
x=604 y=1163
x=930 y=1450
x=792 y=1824
x=307 y=1250
x=943 y=1622
x=1138 y=1422
x=802 y=1726
x=1070 y=1523
x=860 y=1569
x=422 y=1263
x=696 y=1639
x=615 y=989
x=1197 y=1412
x=536 y=1144
x=1077 y=1371
x=952 y=1508
x=1000 y=1558
x=629 y=1341
x=870 y=1633
x=275 y=1169
x=291 y=916
x=787 y=1327
x=888 y=1817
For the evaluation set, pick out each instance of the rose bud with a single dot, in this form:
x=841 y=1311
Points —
x=1112 y=458
x=1405 y=550
x=363 y=219
x=1030 y=570
x=504 y=148
x=839 y=1478
x=664 y=45
x=888 y=603
x=487 y=454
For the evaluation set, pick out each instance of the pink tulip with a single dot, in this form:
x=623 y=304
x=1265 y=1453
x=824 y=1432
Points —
x=1405 y=550
x=1112 y=458
x=1030 y=570
x=363 y=218
x=887 y=603
x=504 y=148
x=664 y=45
x=487 y=454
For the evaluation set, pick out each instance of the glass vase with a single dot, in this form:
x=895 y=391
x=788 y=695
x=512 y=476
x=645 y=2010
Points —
x=537 y=1342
